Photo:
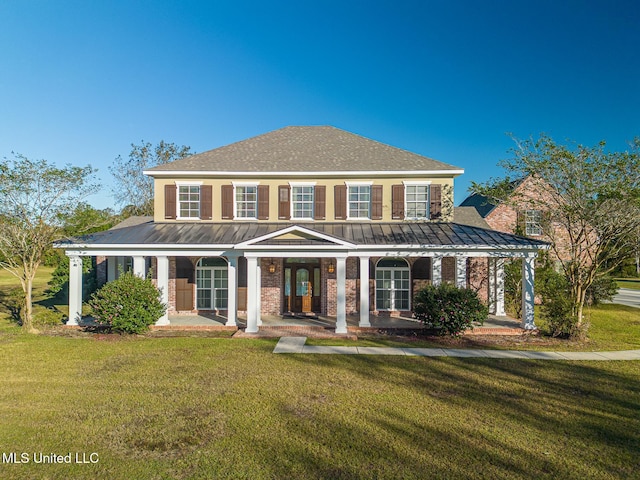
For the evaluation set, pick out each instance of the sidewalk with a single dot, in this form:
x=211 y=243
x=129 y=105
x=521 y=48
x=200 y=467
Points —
x=297 y=345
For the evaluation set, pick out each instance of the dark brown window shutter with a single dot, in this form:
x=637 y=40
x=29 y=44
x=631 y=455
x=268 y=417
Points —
x=284 y=208
x=319 y=200
x=206 y=202
x=376 y=202
x=227 y=202
x=435 y=197
x=521 y=226
x=397 y=202
x=263 y=202
x=340 y=202
x=170 y=202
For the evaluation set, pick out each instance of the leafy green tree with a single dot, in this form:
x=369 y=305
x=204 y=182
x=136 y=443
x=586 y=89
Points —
x=35 y=196
x=133 y=189
x=83 y=220
x=591 y=205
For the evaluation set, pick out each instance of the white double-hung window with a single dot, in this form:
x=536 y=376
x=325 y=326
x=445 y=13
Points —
x=358 y=200
x=532 y=222
x=392 y=285
x=246 y=200
x=416 y=200
x=302 y=200
x=188 y=200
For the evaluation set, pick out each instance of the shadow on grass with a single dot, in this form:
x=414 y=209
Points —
x=574 y=420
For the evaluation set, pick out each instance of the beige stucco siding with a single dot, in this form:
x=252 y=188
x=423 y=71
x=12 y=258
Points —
x=328 y=182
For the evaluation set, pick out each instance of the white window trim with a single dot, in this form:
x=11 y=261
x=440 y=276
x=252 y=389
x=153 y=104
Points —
x=212 y=290
x=179 y=184
x=301 y=184
x=235 y=203
x=408 y=183
x=391 y=269
x=358 y=184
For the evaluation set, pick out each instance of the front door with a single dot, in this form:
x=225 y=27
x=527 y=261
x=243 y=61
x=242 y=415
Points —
x=302 y=287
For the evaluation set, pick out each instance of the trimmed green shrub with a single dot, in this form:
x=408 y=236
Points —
x=127 y=305
x=448 y=309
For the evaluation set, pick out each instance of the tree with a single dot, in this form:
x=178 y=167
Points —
x=133 y=189
x=83 y=220
x=35 y=197
x=590 y=199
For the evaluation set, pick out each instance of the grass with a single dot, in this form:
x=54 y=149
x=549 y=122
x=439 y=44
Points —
x=212 y=408
x=191 y=408
x=632 y=283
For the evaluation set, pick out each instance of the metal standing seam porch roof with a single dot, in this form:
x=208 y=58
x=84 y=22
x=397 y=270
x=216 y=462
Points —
x=228 y=234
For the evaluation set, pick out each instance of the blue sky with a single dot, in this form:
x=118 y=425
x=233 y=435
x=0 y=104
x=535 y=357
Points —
x=82 y=80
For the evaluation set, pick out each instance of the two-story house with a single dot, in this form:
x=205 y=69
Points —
x=301 y=220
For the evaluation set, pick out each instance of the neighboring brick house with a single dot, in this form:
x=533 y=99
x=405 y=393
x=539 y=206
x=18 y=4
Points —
x=524 y=215
x=531 y=197
x=301 y=220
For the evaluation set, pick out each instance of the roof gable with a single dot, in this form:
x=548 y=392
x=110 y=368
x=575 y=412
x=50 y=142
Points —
x=295 y=234
x=305 y=150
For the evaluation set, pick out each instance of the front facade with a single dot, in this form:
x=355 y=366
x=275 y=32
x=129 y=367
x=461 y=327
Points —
x=300 y=221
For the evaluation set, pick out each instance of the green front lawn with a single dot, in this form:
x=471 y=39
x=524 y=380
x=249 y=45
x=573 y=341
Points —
x=228 y=408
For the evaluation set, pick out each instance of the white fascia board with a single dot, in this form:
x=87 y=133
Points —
x=341 y=173
x=144 y=250
x=285 y=254
x=439 y=250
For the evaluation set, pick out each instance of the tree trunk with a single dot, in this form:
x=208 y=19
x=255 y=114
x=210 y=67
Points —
x=27 y=315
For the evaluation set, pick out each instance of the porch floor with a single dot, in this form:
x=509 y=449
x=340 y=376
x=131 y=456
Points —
x=498 y=325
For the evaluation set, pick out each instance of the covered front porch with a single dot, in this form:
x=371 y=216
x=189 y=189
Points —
x=368 y=274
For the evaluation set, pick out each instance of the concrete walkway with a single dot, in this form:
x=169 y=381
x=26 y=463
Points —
x=297 y=345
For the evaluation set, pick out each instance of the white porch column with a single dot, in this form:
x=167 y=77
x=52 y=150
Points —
x=499 y=309
x=436 y=271
x=259 y=292
x=341 y=295
x=75 y=289
x=528 y=275
x=138 y=266
x=364 y=292
x=492 y=285
x=112 y=268
x=461 y=272
x=162 y=267
x=252 y=295
x=232 y=298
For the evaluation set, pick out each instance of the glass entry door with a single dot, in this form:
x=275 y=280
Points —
x=302 y=287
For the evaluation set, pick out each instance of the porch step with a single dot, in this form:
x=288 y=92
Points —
x=295 y=331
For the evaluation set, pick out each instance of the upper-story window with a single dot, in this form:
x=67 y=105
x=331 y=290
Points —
x=188 y=201
x=359 y=200
x=416 y=201
x=302 y=201
x=532 y=222
x=246 y=201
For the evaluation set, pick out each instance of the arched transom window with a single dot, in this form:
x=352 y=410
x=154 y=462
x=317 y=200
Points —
x=212 y=284
x=392 y=284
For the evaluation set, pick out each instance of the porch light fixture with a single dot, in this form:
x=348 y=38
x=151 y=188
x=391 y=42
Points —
x=331 y=268
x=272 y=267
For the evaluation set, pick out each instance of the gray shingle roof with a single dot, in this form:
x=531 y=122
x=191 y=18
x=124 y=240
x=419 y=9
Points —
x=436 y=234
x=304 y=149
x=469 y=216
